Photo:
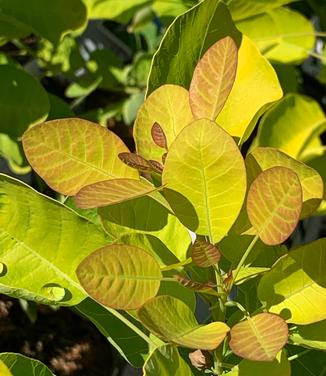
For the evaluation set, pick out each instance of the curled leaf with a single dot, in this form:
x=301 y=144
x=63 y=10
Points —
x=200 y=359
x=135 y=161
x=197 y=286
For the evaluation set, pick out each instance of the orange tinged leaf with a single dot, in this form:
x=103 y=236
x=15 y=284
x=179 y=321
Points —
x=111 y=192
x=204 y=254
x=213 y=79
x=72 y=153
x=135 y=161
x=120 y=276
x=260 y=337
x=274 y=204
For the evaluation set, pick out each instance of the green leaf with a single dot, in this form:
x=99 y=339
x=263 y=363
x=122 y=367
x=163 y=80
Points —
x=209 y=21
x=208 y=160
x=13 y=153
x=132 y=347
x=291 y=124
x=166 y=361
x=241 y=9
x=58 y=108
x=111 y=192
x=278 y=367
x=248 y=272
x=118 y=10
x=42 y=243
x=146 y=215
x=295 y=286
x=120 y=276
x=50 y=22
x=72 y=153
x=20 y=90
x=274 y=204
x=213 y=79
x=261 y=159
x=160 y=315
x=4 y=371
x=22 y=365
x=311 y=336
x=282 y=35
x=169 y=107
x=239 y=117
x=11 y=28
x=260 y=337
x=312 y=363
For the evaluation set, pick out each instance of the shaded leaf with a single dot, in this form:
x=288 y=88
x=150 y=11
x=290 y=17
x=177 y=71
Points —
x=72 y=153
x=274 y=204
x=295 y=286
x=159 y=316
x=197 y=286
x=156 y=166
x=200 y=359
x=18 y=88
x=311 y=336
x=22 y=365
x=204 y=254
x=120 y=276
x=260 y=337
x=135 y=161
x=312 y=363
x=4 y=371
x=42 y=243
x=167 y=106
x=158 y=136
x=213 y=79
x=132 y=347
x=282 y=35
x=166 y=361
x=111 y=192
x=261 y=159
x=205 y=179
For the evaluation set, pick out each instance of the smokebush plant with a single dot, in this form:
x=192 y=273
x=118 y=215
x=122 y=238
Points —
x=119 y=248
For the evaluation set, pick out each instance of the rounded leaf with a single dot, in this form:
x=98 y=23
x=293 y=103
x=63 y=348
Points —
x=72 y=153
x=169 y=107
x=213 y=79
x=172 y=320
x=274 y=204
x=259 y=337
x=205 y=179
x=204 y=254
x=120 y=276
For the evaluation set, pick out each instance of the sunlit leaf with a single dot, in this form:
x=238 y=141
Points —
x=257 y=85
x=205 y=179
x=260 y=337
x=213 y=78
x=167 y=361
x=291 y=124
x=249 y=272
x=42 y=243
x=20 y=88
x=169 y=107
x=311 y=336
x=111 y=192
x=120 y=276
x=72 y=153
x=282 y=35
x=261 y=159
x=274 y=204
x=204 y=254
x=160 y=315
x=295 y=286
x=21 y=365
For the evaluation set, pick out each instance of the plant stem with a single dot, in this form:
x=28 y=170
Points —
x=296 y=356
x=244 y=257
x=132 y=326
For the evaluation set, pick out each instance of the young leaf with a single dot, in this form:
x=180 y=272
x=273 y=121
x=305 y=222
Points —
x=274 y=204
x=135 y=161
x=22 y=365
x=208 y=160
x=42 y=243
x=167 y=361
x=204 y=254
x=158 y=136
x=295 y=286
x=261 y=159
x=260 y=337
x=120 y=276
x=169 y=107
x=72 y=153
x=213 y=79
x=197 y=286
x=111 y=192
x=171 y=320
x=156 y=166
